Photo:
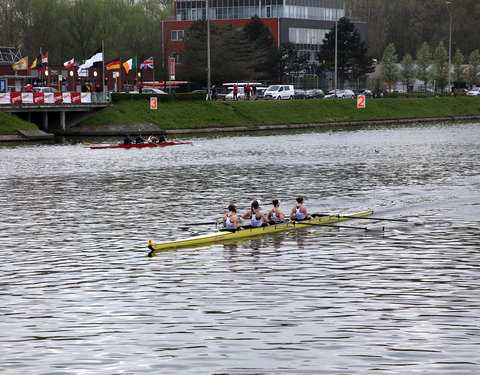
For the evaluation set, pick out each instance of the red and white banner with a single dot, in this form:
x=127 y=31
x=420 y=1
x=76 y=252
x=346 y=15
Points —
x=49 y=97
x=38 y=98
x=4 y=98
x=171 y=65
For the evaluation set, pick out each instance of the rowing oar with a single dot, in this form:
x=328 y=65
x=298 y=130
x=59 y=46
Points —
x=362 y=217
x=329 y=225
x=204 y=223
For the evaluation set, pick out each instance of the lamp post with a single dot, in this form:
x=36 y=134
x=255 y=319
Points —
x=208 y=52
x=449 y=45
x=336 y=49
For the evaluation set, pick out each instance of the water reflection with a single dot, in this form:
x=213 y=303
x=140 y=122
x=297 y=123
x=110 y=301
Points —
x=77 y=286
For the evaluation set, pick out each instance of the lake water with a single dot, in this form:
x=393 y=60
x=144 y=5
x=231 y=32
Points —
x=80 y=296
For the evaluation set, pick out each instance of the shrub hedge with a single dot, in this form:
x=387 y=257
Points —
x=119 y=97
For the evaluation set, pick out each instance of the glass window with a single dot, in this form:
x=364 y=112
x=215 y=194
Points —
x=177 y=35
x=176 y=56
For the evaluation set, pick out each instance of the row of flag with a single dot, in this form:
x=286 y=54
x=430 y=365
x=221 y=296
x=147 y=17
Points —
x=41 y=63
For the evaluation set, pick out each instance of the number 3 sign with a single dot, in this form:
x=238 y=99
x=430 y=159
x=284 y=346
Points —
x=153 y=103
x=361 y=102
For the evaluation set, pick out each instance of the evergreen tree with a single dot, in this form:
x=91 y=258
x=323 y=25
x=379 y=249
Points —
x=424 y=60
x=440 y=66
x=352 y=59
x=458 y=60
x=389 y=68
x=407 y=71
x=262 y=45
x=474 y=61
x=290 y=61
x=230 y=57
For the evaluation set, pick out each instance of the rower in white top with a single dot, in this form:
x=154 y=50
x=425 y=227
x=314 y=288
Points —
x=257 y=217
x=275 y=215
x=299 y=211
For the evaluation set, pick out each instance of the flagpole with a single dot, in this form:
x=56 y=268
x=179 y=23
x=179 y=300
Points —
x=136 y=73
x=103 y=71
x=41 y=70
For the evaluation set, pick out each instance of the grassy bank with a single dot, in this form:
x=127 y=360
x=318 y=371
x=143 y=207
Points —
x=10 y=124
x=202 y=114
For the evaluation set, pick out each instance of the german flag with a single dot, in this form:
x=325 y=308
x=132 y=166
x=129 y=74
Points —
x=115 y=64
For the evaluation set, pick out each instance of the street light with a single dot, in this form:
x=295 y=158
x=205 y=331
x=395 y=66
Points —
x=208 y=52
x=336 y=47
x=447 y=3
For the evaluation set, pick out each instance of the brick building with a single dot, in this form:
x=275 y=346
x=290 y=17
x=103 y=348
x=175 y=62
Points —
x=302 y=22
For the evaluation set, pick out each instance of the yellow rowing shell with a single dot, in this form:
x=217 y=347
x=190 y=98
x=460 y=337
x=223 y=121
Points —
x=220 y=236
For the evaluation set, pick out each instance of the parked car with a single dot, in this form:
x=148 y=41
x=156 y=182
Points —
x=261 y=92
x=150 y=90
x=368 y=94
x=299 y=94
x=314 y=94
x=240 y=94
x=278 y=92
x=423 y=90
x=44 y=89
x=222 y=92
x=474 y=92
x=343 y=94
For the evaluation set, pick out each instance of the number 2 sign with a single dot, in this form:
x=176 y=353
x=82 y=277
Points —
x=361 y=102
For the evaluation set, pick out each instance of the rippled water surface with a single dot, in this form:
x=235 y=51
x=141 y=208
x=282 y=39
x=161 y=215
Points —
x=80 y=296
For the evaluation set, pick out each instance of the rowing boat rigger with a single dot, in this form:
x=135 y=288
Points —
x=220 y=236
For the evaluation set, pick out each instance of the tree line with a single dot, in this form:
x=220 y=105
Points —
x=430 y=67
x=408 y=24
x=66 y=29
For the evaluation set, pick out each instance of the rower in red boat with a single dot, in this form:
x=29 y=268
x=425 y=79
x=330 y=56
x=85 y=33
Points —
x=152 y=139
x=127 y=140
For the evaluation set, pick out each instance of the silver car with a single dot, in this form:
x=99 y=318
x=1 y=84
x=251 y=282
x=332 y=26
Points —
x=474 y=92
x=343 y=94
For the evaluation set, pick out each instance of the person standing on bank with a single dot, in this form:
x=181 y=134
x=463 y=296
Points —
x=257 y=218
x=299 y=211
x=235 y=92
x=230 y=219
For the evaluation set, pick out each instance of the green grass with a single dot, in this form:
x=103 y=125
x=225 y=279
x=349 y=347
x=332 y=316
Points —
x=201 y=114
x=10 y=124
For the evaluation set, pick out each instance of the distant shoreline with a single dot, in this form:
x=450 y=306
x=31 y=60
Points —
x=195 y=117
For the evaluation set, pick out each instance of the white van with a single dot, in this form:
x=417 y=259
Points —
x=278 y=92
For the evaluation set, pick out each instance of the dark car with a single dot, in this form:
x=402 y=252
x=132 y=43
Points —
x=368 y=94
x=314 y=94
x=299 y=94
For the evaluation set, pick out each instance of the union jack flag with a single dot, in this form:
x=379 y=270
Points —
x=147 y=64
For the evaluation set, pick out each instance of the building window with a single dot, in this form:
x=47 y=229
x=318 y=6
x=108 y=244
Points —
x=298 y=35
x=176 y=56
x=178 y=35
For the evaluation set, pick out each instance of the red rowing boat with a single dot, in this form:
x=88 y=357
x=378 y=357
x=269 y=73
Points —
x=136 y=145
